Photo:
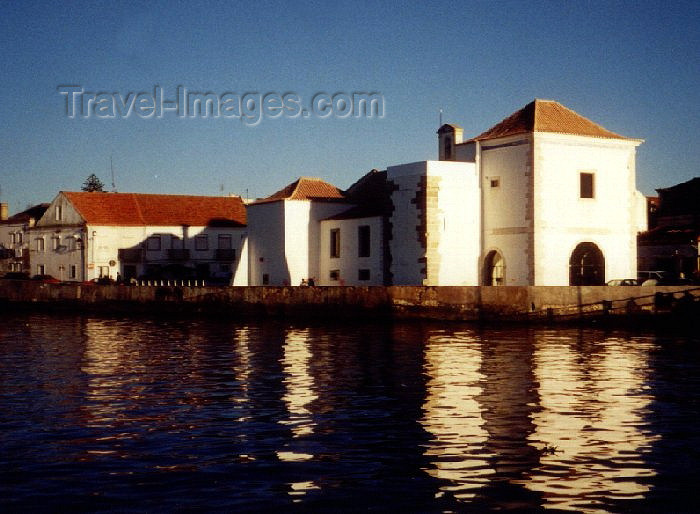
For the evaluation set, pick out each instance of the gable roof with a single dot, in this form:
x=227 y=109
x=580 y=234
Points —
x=546 y=116
x=138 y=209
x=306 y=188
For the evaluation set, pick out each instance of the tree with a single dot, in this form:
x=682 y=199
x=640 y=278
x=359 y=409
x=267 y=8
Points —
x=92 y=183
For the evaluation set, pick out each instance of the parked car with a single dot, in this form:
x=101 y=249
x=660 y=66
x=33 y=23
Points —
x=654 y=275
x=623 y=282
x=46 y=279
x=16 y=275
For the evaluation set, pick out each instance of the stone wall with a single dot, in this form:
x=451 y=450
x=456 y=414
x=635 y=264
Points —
x=517 y=303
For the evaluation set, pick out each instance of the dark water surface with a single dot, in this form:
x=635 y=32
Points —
x=100 y=414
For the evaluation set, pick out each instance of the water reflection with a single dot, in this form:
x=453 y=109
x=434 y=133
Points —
x=593 y=419
x=98 y=413
x=453 y=415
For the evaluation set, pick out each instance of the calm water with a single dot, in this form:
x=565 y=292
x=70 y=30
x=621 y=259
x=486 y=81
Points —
x=101 y=414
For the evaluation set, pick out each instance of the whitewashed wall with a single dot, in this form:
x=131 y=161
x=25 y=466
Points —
x=284 y=240
x=453 y=227
x=349 y=263
x=507 y=207
x=563 y=219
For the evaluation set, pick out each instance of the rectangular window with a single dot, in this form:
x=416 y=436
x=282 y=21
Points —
x=55 y=243
x=153 y=243
x=40 y=269
x=19 y=237
x=69 y=243
x=587 y=185
x=40 y=244
x=363 y=241
x=201 y=242
x=363 y=274
x=265 y=279
x=104 y=271
x=225 y=242
x=495 y=182
x=335 y=275
x=73 y=271
x=335 y=242
x=59 y=212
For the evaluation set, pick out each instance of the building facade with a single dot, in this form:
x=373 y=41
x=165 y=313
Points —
x=91 y=235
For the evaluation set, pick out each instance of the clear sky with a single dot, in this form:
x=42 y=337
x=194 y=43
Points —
x=633 y=67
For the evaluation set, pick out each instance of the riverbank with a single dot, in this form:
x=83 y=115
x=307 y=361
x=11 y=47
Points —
x=510 y=303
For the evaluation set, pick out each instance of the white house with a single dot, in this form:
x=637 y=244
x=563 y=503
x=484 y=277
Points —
x=559 y=204
x=88 y=235
x=283 y=232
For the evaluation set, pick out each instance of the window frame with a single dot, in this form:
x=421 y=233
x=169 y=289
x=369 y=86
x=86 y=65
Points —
x=586 y=185
x=364 y=241
x=334 y=243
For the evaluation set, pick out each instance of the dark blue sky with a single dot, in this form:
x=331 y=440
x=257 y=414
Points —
x=633 y=67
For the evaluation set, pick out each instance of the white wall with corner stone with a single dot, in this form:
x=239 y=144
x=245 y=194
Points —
x=450 y=225
x=563 y=219
x=507 y=205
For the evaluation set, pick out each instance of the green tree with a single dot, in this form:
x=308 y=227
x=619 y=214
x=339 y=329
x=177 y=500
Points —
x=92 y=183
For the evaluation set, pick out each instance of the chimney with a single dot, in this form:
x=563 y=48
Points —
x=3 y=212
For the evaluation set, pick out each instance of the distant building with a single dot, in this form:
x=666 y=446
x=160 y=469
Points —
x=14 y=243
x=89 y=235
x=671 y=244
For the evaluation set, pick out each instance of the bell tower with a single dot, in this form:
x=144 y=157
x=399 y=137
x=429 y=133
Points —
x=448 y=137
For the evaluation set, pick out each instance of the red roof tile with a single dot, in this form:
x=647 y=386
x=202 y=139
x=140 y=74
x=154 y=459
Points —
x=137 y=209
x=306 y=188
x=546 y=116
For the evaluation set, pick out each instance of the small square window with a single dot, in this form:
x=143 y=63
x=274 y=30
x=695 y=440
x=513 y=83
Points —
x=335 y=275
x=363 y=274
x=495 y=182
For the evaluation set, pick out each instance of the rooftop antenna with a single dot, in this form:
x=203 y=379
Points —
x=441 y=117
x=111 y=169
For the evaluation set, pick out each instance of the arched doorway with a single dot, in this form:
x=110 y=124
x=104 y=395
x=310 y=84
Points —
x=494 y=269
x=587 y=266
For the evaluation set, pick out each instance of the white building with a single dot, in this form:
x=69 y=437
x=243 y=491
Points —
x=89 y=235
x=545 y=197
x=558 y=198
x=284 y=232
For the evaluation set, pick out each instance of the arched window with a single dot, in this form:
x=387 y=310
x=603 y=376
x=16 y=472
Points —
x=494 y=269
x=587 y=266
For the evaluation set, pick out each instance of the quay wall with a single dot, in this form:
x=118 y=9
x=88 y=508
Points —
x=480 y=303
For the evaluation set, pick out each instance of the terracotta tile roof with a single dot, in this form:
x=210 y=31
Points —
x=306 y=188
x=546 y=116
x=137 y=209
